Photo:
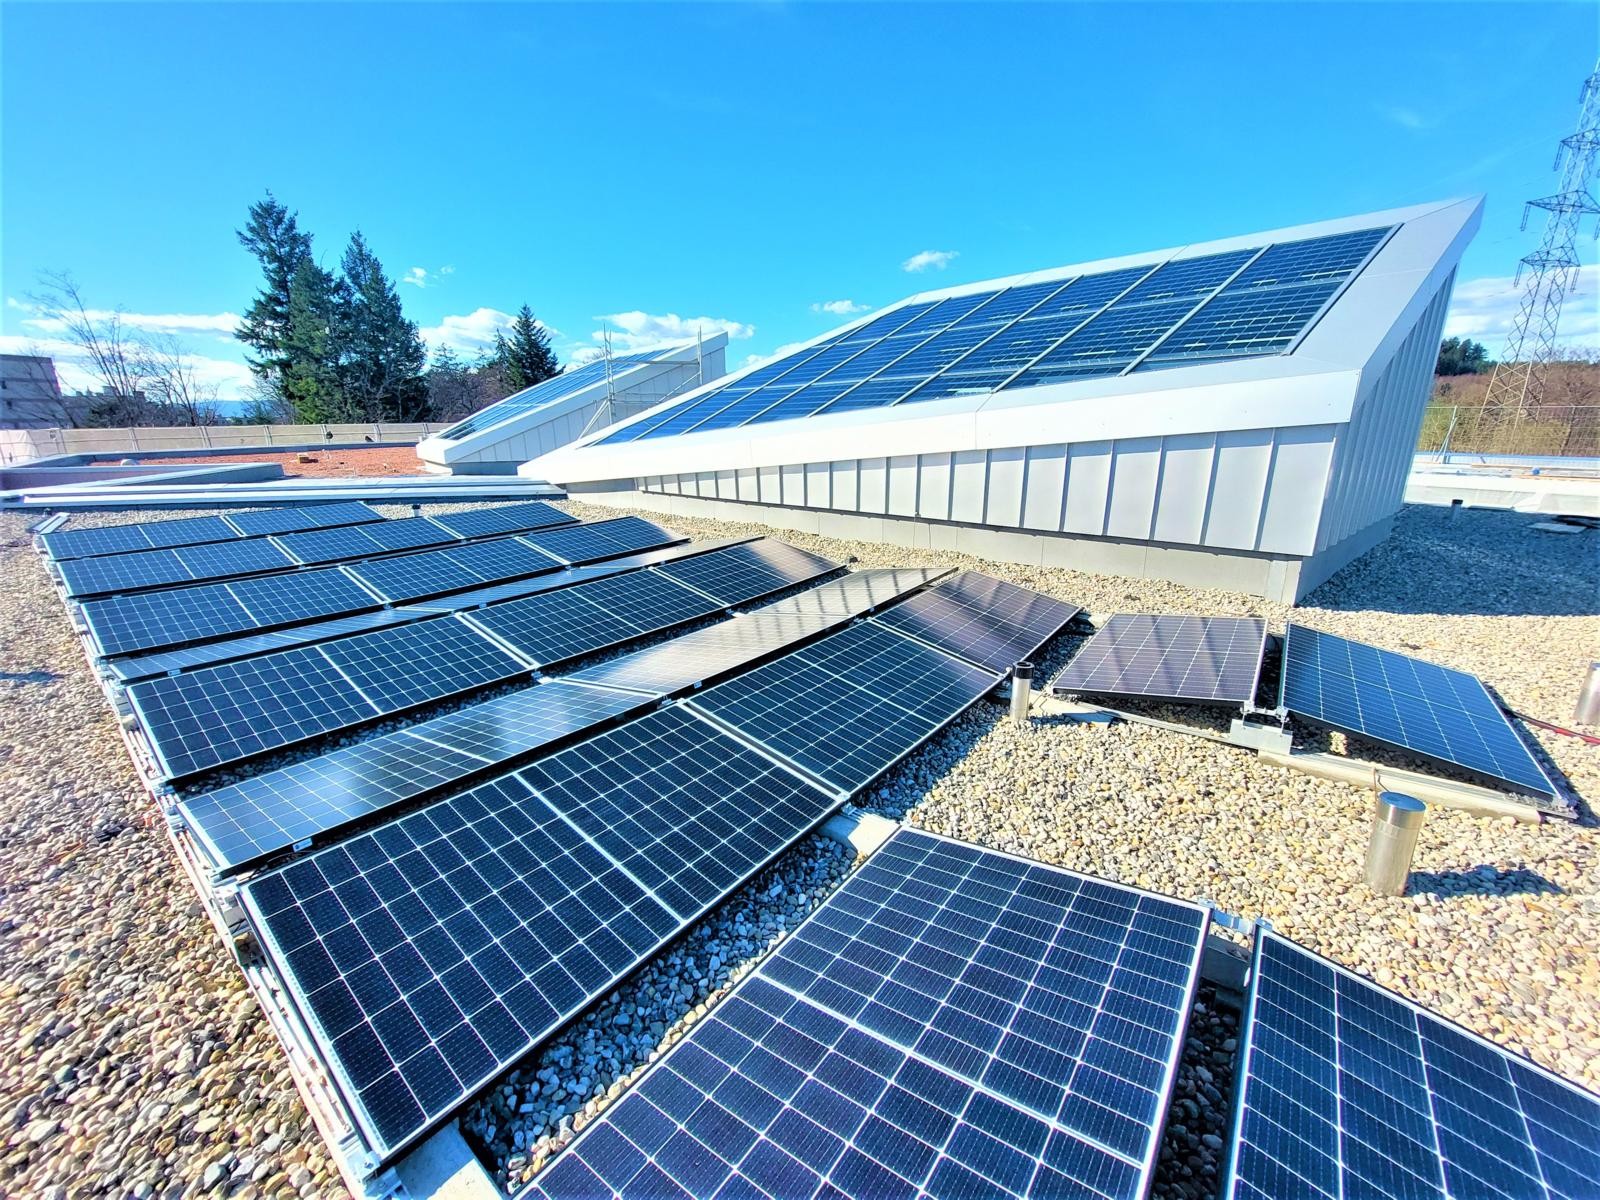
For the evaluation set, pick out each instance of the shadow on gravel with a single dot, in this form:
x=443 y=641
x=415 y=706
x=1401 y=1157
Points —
x=28 y=676
x=1480 y=562
x=1485 y=880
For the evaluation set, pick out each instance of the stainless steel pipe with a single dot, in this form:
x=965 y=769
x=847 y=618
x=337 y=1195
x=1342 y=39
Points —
x=1021 y=692
x=1588 y=710
x=1396 y=823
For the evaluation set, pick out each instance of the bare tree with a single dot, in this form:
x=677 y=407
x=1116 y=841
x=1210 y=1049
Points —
x=173 y=382
x=113 y=352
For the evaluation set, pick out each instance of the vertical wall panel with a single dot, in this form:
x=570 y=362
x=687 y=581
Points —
x=1088 y=487
x=1135 y=473
x=771 y=485
x=903 y=485
x=1003 y=506
x=1244 y=460
x=1295 y=489
x=749 y=485
x=1185 y=487
x=968 y=482
x=844 y=489
x=933 y=487
x=792 y=485
x=819 y=493
x=874 y=483
x=1045 y=486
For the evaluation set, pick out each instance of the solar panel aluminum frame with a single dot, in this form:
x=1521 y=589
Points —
x=377 y=1153
x=1204 y=299
x=1164 y=1097
x=1555 y=802
x=1247 y=706
x=1263 y=932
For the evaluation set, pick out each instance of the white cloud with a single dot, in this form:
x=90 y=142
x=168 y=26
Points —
x=221 y=324
x=1484 y=309
x=839 y=308
x=1406 y=118
x=640 y=330
x=447 y=270
x=924 y=259
x=416 y=276
x=231 y=379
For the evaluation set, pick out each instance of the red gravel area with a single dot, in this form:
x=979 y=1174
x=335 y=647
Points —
x=378 y=460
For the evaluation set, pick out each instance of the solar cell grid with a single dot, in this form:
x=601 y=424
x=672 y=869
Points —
x=184 y=658
x=1206 y=659
x=1310 y=260
x=414 y=576
x=744 y=572
x=953 y=1022
x=1108 y=342
x=159 y=568
x=240 y=824
x=120 y=624
x=850 y=706
x=1242 y=322
x=330 y=545
x=501 y=558
x=311 y=516
x=985 y=621
x=282 y=599
x=1347 y=1089
x=1406 y=702
x=543 y=394
x=506 y=518
x=555 y=626
x=1188 y=278
x=436 y=949
x=140 y=535
x=603 y=539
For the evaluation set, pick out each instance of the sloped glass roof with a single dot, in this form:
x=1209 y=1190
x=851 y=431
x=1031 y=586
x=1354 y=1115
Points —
x=541 y=395
x=1211 y=308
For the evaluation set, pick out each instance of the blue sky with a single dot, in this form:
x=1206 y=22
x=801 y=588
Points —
x=652 y=167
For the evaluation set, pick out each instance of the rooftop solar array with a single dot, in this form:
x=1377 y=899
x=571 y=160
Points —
x=706 y=654
x=1181 y=312
x=240 y=824
x=953 y=1022
x=504 y=518
x=1201 y=659
x=542 y=395
x=1348 y=1090
x=744 y=572
x=330 y=545
x=408 y=577
x=162 y=568
x=220 y=714
x=428 y=954
x=602 y=539
x=848 y=707
x=1405 y=702
x=188 y=531
x=985 y=621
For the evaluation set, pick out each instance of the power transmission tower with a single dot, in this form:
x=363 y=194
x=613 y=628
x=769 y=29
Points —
x=1518 y=380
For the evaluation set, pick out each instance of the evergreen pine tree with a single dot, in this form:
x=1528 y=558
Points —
x=274 y=237
x=525 y=357
x=310 y=379
x=382 y=356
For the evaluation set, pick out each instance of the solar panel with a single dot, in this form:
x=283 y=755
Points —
x=311 y=516
x=330 y=545
x=983 y=620
x=1348 y=1090
x=507 y=518
x=542 y=395
x=953 y=1022
x=1431 y=710
x=578 y=620
x=243 y=823
x=220 y=714
x=603 y=539
x=431 y=952
x=158 y=568
x=143 y=535
x=186 y=658
x=426 y=573
x=850 y=706
x=744 y=572
x=709 y=653
x=1204 y=659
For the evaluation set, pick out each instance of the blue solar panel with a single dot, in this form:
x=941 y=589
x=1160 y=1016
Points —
x=983 y=620
x=542 y=395
x=266 y=814
x=744 y=572
x=1313 y=260
x=603 y=539
x=162 y=568
x=142 y=535
x=312 y=516
x=359 y=541
x=220 y=714
x=850 y=706
x=433 y=951
x=1187 y=278
x=1106 y=344
x=1239 y=323
x=1348 y=1090
x=953 y=1022
x=506 y=518
x=1200 y=659
x=1406 y=702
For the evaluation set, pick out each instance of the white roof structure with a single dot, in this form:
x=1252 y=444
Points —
x=550 y=414
x=1237 y=413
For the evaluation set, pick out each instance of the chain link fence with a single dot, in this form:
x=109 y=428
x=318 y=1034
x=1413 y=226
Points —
x=1555 y=429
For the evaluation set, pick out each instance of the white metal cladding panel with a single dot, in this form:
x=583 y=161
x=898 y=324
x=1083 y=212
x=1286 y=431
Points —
x=818 y=492
x=1135 y=475
x=771 y=486
x=1185 y=493
x=727 y=486
x=1045 y=487
x=1088 y=486
x=873 y=481
x=903 y=485
x=749 y=484
x=1296 y=488
x=1003 y=506
x=933 y=487
x=969 y=479
x=1244 y=461
x=793 y=487
x=846 y=490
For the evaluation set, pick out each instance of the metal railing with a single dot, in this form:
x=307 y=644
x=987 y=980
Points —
x=19 y=446
x=1554 y=429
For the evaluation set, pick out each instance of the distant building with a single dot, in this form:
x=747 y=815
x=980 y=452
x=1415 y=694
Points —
x=30 y=394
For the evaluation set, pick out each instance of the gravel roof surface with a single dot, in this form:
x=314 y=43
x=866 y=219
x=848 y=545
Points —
x=137 y=1063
